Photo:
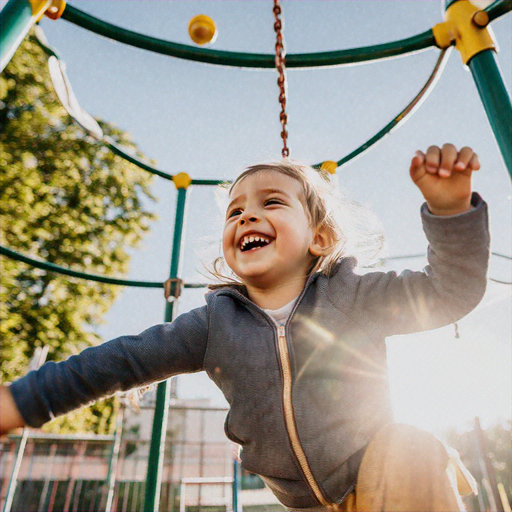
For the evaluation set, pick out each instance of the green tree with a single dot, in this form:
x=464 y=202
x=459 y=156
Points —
x=69 y=201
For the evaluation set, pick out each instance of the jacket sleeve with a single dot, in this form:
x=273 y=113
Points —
x=448 y=288
x=118 y=365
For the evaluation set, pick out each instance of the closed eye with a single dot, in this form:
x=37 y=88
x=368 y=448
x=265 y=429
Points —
x=272 y=201
x=234 y=212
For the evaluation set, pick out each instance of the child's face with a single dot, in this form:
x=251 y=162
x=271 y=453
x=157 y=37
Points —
x=267 y=235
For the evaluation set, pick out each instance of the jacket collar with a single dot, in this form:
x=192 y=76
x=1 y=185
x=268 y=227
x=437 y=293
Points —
x=240 y=293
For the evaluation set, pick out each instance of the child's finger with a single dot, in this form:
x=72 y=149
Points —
x=448 y=158
x=465 y=156
x=417 y=168
x=433 y=158
x=418 y=159
x=474 y=163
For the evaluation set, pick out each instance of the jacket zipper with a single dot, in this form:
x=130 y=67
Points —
x=291 y=426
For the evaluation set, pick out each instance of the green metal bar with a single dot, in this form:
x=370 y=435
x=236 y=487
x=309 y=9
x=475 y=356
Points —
x=156 y=450
x=52 y=267
x=15 y=21
x=404 y=114
x=498 y=9
x=248 y=60
x=130 y=158
x=394 y=123
x=210 y=182
x=496 y=100
x=110 y=144
x=399 y=119
x=237 y=486
x=139 y=163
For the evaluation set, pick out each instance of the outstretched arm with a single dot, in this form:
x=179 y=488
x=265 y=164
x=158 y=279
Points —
x=119 y=365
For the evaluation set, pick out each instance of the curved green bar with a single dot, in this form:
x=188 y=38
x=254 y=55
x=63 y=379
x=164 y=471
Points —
x=210 y=182
x=498 y=9
x=401 y=117
x=139 y=163
x=52 y=267
x=248 y=60
x=397 y=120
x=109 y=143
x=370 y=142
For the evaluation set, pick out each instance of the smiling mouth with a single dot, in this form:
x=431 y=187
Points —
x=253 y=242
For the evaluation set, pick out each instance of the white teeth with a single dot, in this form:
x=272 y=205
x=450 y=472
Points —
x=252 y=238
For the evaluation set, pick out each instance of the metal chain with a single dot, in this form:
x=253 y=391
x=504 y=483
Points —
x=281 y=80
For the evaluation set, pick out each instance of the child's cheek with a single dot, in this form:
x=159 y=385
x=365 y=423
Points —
x=227 y=238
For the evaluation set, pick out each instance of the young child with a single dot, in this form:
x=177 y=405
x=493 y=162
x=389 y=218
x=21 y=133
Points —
x=298 y=346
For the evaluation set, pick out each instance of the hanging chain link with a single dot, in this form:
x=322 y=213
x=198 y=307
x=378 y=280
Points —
x=281 y=69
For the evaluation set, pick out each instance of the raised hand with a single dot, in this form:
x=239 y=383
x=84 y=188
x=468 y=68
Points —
x=443 y=176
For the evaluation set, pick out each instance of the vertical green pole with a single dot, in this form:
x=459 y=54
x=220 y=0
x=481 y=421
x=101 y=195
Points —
x=496 y=100
x=156 y=450
x=237 y=485
x=16 y=19
x=477 y=47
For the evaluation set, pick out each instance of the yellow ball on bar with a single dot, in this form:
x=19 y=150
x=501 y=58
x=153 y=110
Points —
x=202 y=29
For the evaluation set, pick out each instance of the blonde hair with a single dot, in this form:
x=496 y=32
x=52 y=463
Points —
x=325 y=207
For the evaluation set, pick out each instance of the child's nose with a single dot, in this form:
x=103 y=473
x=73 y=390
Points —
x=248 y=217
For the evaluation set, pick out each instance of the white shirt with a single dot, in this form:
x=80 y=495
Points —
x=280 y=316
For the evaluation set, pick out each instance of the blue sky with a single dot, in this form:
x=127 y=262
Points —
x=211 y=121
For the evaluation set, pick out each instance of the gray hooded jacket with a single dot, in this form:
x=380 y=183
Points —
x=306 y=398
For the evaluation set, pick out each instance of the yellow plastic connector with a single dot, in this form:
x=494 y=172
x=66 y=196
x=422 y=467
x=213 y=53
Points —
x=51 y=8
x=182 y=180
x=202 y=29
x=462 y=28
x=329 y=166
x=39 y=7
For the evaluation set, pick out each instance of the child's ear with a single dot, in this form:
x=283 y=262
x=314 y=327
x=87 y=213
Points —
x=321 y=242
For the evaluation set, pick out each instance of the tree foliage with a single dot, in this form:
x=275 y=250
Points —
x=69 y=201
